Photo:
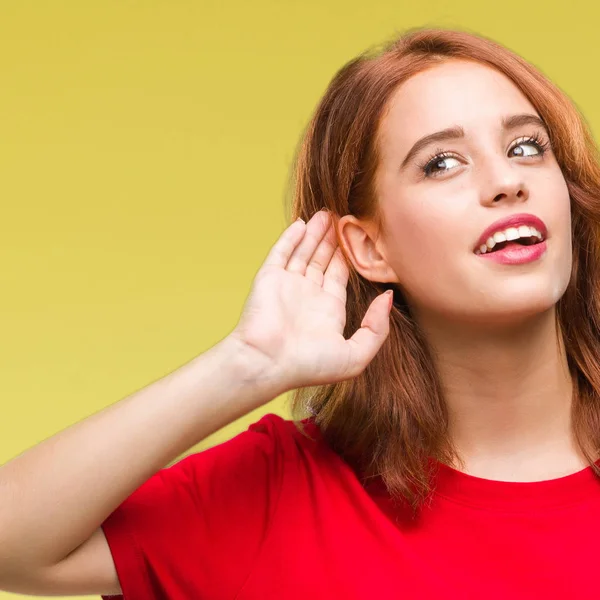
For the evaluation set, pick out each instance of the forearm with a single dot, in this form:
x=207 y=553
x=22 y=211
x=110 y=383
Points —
x=57 y=493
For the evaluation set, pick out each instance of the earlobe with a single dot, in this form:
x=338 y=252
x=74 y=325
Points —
x=357 y=242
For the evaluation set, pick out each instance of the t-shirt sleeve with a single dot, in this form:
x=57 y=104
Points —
x=194 y=529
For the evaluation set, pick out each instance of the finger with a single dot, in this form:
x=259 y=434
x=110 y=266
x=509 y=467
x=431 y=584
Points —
x=322 y=257
x=335 y=279
x=282 y=249
x=315 y=230
x=373 y=331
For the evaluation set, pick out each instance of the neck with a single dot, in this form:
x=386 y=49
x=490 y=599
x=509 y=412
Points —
x=509 y=395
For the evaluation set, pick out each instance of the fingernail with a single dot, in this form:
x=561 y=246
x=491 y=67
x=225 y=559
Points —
x=299 y=219
x=390 y=295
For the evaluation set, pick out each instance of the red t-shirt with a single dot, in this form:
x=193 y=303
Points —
x=272 y=514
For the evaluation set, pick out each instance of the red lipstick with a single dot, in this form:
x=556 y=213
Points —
x=512 y=221
x=513 y=252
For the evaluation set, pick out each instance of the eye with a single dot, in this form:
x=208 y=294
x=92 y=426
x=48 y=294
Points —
x=438 y=163
x=535 y=142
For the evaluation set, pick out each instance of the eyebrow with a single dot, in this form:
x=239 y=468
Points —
x=457 y=132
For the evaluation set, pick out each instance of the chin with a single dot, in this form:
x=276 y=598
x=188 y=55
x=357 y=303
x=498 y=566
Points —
x=512 y=307
x=520 y=295
x=494 y=300
x=512 y=303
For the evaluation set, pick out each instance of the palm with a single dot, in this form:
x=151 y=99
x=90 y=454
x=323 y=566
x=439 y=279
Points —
x=298 y=322
x=295 y=314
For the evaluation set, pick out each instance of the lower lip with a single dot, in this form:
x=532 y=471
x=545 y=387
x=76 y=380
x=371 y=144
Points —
x=516 y=255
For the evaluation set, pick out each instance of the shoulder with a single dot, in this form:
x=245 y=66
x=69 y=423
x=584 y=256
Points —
x=298 y=449
x=302 y=432
x=266 y=444
x=291 y=436
x=271 y=455
x=282 y=446
x=277 y=438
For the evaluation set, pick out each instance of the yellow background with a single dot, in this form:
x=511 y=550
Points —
x=144 y=155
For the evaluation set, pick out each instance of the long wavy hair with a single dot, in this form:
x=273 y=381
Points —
x=391 y=420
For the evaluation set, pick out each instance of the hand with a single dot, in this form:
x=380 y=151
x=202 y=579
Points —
x=293 y=320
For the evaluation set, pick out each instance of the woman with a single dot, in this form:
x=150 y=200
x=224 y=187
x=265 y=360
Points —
x=453 y=436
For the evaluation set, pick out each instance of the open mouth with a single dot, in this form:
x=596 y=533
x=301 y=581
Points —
x=529 y=241
x=511 y=237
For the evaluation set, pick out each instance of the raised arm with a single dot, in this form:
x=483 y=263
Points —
x=55 y=496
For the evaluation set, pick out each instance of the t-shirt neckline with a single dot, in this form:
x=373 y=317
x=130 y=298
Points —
x=471 y=490
x=479 y=492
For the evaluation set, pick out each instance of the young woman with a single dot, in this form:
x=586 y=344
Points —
x=446 y=443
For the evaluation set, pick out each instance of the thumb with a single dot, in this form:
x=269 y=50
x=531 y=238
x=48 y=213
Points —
x=373 y=331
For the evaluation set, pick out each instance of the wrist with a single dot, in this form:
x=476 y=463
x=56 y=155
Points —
x=249 y=368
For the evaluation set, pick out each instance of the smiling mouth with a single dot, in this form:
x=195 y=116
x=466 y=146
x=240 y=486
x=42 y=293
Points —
x=511 y=237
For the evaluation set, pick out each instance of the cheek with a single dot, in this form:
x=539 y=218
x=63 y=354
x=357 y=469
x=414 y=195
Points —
x=564 y=249
x=559 y=223
x=421 y=243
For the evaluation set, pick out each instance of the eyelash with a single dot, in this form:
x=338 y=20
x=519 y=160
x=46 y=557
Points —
x=536 y=139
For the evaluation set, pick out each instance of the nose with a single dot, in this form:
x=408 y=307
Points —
x=504 y=184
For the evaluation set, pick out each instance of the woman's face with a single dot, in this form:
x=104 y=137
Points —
x=439 y=197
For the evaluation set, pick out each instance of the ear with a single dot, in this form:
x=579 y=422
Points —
x=360 y=243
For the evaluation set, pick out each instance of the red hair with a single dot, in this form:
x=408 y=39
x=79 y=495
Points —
x=391 y=419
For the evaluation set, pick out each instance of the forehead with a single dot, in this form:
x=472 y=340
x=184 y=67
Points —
x=452 y=93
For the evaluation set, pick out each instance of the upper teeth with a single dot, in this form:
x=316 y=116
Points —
x=507 y=235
